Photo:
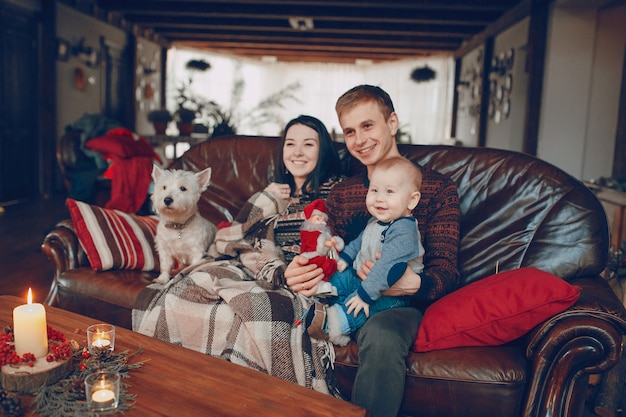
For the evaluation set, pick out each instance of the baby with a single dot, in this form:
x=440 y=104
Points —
x=392 y=232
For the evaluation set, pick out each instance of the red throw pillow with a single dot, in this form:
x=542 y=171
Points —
x=113 y=239
x=121 y=142
x=495 y=310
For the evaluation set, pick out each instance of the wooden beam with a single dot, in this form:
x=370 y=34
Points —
x=536 y=53
x=47 y=97
x=619 y=156
x=483 y=117
x=348 y=55
x=517 y=13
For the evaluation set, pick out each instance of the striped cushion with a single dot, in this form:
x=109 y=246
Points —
x=113 y=239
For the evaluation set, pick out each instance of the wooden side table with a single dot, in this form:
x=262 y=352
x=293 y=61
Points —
x=159 y=142
x=614 y=204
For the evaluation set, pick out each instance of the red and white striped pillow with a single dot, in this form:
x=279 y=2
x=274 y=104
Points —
x=113 y=239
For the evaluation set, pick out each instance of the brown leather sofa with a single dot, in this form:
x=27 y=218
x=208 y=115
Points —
x=517 y=210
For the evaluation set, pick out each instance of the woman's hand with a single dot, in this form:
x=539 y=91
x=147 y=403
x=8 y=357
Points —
x=303 y=277
x=281 y=190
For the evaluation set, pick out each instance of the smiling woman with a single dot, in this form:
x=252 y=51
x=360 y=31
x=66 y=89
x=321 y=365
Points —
x=300 y=153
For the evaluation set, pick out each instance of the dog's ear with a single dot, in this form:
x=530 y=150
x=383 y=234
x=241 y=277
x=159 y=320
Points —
x=156 y=172
x=204 y=178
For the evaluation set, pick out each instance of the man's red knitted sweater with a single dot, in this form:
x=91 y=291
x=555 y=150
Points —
x=438 y=215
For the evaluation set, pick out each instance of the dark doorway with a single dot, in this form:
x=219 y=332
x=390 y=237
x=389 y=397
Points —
x=19 y=131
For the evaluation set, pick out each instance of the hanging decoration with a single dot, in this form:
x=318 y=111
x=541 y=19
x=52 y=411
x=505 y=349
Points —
x=501 y=85
x=423 y=74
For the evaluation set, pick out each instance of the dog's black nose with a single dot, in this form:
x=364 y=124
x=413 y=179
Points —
x=168 y=200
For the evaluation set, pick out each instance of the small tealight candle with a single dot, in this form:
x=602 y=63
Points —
x=101 y=343
x=102 y=390
x=103 y=398
x=100 y=338
x=30 y=331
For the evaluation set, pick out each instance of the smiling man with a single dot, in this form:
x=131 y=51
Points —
x=369 y=124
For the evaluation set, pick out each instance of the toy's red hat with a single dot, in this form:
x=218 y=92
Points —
x=315 y=207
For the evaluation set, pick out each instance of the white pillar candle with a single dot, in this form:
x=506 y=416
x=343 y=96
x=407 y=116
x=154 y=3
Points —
x=30 y=332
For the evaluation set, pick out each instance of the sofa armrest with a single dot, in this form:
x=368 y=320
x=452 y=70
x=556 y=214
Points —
x=563 y=351
x=61 y=246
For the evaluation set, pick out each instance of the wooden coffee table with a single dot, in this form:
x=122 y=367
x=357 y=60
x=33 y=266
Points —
x=176 y=381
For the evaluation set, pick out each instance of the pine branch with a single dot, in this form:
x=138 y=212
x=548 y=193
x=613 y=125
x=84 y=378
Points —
x=66 y=398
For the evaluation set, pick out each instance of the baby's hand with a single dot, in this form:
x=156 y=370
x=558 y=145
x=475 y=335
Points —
x=356 y=304
x=341 y=265
x=335 y=242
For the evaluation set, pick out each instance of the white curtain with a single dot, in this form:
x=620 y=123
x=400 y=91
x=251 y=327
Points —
x=424 y=109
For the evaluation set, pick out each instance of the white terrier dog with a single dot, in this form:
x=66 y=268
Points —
x=182 y=234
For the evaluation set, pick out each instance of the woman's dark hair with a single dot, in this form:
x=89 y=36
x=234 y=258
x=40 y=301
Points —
x=328 y=164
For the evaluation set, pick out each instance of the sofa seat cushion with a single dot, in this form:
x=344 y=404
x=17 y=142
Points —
x=119 y=287
x=108 y=296
x=489 y=381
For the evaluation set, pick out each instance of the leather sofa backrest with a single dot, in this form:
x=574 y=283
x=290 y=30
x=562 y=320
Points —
x=516 y=210
x=520 y=211
x=240 y=166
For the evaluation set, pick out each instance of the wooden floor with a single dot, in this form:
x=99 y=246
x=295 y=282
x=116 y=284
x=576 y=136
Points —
x=22 y=229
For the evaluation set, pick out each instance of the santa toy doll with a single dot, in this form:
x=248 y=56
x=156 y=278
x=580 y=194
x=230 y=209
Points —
x=319 y=245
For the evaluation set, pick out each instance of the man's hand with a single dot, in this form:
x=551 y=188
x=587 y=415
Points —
x=408 y=284
x=303 y=277
x=356 y=304
x=366 y=267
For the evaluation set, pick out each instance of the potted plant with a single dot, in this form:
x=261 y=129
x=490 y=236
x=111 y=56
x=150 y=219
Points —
x=184 y=120
x=160 y=118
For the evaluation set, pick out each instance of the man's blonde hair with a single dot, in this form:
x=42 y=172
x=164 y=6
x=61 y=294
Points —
x=412 y=172
x=362 y=94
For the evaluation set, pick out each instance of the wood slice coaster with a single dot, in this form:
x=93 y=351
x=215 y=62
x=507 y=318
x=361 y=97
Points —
x=26 y=379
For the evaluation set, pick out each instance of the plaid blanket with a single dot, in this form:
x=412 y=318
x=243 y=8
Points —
x=233 y=309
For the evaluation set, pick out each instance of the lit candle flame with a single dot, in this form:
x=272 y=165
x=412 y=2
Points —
x=30 y=296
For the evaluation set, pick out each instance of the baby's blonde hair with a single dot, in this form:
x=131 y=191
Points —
x=412 y=172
